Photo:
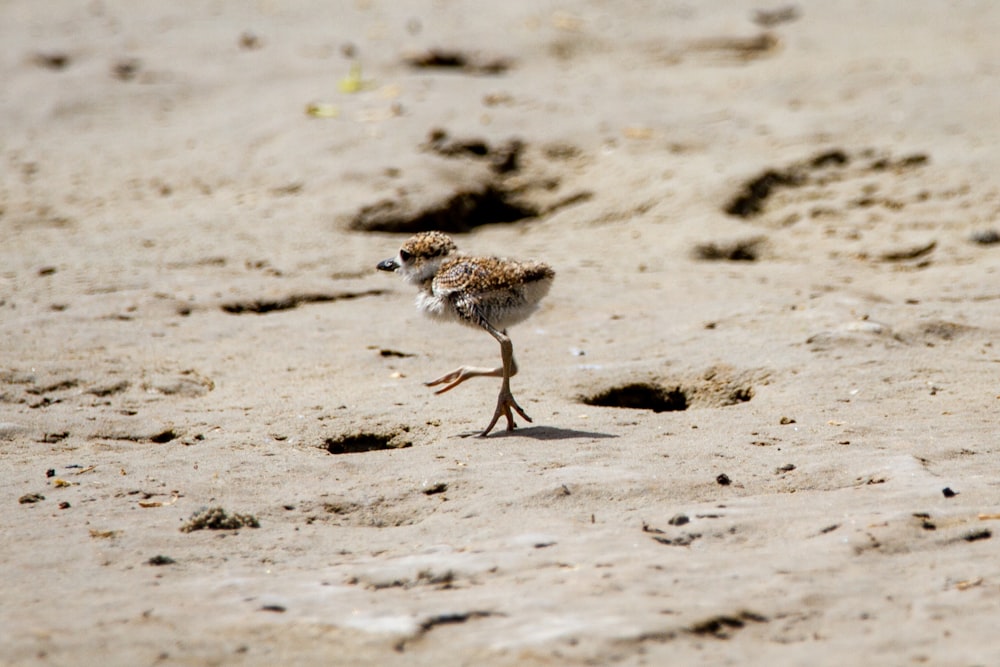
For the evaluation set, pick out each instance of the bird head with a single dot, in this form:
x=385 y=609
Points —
x=420 y=256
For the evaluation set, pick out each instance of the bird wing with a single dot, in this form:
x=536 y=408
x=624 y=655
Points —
x=464 y=282
x=466 y=275
x=491 y=291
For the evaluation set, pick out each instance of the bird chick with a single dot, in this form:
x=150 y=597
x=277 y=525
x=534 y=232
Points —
x=490 y=293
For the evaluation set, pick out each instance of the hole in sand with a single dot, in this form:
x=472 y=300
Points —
x=165 y=436
x=503 y=158
x=263 y=306
x=510 y=188
x=740 y=395
x=718 y=386
x=453 y=59
x=750 y=200
x=356 y=443
x=745 y=250
x=818 y=171
x=459 y=213
x=641 y=396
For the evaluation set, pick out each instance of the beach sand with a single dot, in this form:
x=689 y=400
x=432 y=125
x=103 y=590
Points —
x=764 y=385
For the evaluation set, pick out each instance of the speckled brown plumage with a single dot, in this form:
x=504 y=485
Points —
x=504 y=292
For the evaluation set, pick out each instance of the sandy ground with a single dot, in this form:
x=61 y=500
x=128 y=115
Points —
x=764 y=385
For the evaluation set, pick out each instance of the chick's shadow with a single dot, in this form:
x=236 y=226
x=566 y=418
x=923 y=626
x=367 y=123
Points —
x=544 y=433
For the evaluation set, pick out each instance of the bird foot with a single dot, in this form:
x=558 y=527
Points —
x=505 y=401
x=460 y=375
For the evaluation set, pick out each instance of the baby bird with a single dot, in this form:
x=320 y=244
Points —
x=488 y=292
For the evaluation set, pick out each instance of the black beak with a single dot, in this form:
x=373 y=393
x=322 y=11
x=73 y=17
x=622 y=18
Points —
x=387 y=265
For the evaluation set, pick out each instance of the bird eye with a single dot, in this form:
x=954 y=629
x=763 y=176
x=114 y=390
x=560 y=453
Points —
x=405 y=256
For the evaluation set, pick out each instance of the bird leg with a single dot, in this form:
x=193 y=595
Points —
x=505 y=400
x=460 y=375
